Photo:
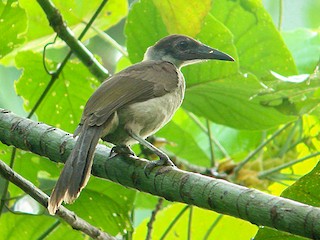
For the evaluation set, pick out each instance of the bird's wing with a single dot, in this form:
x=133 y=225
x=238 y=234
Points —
x=138 y=83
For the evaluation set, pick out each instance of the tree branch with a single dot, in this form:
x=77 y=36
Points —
x=71 y=218
x=173 y=184
x=64 y=32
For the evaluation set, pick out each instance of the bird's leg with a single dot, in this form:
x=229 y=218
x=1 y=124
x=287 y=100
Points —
x=164 y=159
x=121 y=149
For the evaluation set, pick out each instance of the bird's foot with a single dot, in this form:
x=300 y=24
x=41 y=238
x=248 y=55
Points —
x=163 y=161
x=121 y=149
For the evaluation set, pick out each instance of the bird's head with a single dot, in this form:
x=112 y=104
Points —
x=182 y=50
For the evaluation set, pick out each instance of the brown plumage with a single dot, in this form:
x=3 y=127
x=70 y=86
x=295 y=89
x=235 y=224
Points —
x=130 y=106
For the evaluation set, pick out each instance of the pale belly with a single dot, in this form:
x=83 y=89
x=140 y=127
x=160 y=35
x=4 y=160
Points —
x=145 y=118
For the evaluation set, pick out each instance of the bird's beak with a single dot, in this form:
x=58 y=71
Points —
x=206 y=52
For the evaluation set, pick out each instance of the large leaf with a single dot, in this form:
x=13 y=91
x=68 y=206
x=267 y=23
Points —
x=144 y=27
x=106 y=205
x=23 y=226
x=75 y=14
x=186 y=141
x=175 y=21
x=259 y=44
x=305 y=47
x=67 y=96
x=201 y=221
x=229 y=102
x=11 y=26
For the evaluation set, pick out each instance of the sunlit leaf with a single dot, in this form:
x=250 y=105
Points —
x=175 y=21
x=200 y=223
x=67 y=96
x=305 y=190
x=259 y=44
x=75 y=13
x=11 y=27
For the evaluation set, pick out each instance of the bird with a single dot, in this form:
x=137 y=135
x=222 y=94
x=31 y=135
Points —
x=130 y=106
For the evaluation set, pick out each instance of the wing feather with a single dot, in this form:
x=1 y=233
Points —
x=138 y=83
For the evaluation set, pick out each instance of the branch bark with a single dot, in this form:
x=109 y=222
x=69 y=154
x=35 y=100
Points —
x=173 y=184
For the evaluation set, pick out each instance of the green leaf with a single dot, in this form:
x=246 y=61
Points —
x=8 y=96
x=13 y=23
x=229 y=102
x=200 y=224
x=179 y=21
x=271 y=234
x=259 y=44
x=305 y=190
x=15 y=226
x=294 y=98
x=75 y=13
x=305 y=47
x=28 y=165
x=64 y=231
x=222 y=39
x=216 y=90
x=67 y=96
x=185 y=142
x=106 y=205
x=143 y=19
x=237 y=143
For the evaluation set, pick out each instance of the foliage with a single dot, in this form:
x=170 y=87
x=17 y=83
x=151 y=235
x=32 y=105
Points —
x=242 y=104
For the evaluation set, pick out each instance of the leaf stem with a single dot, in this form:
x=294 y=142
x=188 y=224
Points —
x=49 y=230
x=174 y=222
x=266 y=173
x=214 y=224
x=204 y=129
x=258 y=149
x=190 y=222
x=210 y=143
x=110 y=40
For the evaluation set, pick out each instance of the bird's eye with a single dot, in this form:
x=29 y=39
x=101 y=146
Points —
x=183 y=45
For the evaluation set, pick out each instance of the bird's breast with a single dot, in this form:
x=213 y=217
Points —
x=145 y=118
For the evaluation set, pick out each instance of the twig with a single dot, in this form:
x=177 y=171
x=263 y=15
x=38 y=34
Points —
x=64 y=32
x=6 y=184
x=153 y=218
x=42 y=198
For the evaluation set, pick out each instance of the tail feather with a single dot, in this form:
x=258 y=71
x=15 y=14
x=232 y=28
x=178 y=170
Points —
x=76 y=172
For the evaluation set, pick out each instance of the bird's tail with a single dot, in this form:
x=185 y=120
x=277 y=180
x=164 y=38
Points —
x=76 y=172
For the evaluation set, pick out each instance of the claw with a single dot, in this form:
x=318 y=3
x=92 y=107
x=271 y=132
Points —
x=121 y=149
x=163 y=161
